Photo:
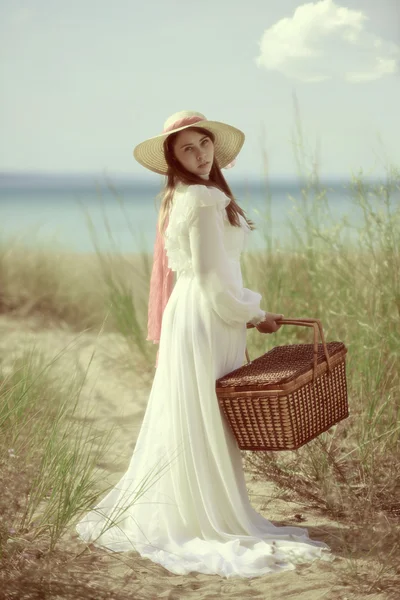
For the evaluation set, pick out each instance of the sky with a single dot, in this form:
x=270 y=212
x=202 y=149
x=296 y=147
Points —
x=83 y=82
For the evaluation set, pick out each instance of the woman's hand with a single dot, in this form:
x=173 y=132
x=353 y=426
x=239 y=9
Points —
x=270 y=324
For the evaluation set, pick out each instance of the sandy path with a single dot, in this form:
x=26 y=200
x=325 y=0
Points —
x=118 y=400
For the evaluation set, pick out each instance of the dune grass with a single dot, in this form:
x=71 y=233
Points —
x=49 y=458
x=352 y=471
x=50 y=475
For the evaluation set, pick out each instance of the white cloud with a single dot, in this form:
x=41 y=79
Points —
x=323 y=40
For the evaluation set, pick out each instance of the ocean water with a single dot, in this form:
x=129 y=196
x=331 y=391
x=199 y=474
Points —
x=59 y=210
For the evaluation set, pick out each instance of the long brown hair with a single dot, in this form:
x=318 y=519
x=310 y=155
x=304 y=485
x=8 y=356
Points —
x=177 y=173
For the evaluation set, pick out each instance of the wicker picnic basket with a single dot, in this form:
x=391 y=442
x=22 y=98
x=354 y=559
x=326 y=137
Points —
x=289 y=395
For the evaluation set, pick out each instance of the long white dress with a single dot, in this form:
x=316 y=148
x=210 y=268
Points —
x=183 y=501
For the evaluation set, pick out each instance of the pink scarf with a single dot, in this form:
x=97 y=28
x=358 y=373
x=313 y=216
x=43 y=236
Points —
x=161 y=286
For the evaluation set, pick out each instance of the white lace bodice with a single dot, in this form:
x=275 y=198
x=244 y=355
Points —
x=201 y=241
x=177 y=242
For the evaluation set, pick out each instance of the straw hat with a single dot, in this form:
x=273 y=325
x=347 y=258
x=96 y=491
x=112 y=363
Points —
x=228 y=141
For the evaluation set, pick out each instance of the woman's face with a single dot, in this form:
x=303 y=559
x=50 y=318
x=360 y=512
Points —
x=192 y=149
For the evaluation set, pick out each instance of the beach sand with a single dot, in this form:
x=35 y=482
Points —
x=118 y=398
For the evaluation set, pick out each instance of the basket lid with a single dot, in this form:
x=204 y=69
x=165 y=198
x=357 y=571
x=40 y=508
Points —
x=282 y=364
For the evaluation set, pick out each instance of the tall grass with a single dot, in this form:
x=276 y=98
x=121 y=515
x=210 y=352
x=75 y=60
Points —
x=352 y=472
x=49 y=477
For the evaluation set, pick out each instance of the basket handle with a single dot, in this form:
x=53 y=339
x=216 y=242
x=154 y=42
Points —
x=317 y=326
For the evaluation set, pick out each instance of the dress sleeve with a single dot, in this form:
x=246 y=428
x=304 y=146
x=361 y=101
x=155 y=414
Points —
x=212 y=266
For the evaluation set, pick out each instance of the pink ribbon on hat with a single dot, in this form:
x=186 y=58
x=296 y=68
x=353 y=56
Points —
x=182 y=122
x=162 y=277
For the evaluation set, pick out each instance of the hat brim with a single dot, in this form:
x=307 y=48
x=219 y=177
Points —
x=228 y=143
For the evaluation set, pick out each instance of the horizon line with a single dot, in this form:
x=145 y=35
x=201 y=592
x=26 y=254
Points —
x=148 y=178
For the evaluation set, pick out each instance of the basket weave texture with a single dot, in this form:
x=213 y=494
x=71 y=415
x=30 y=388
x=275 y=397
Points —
x=288 y=396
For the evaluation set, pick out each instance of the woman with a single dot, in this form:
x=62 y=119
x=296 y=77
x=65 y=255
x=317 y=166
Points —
x=183 y=500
